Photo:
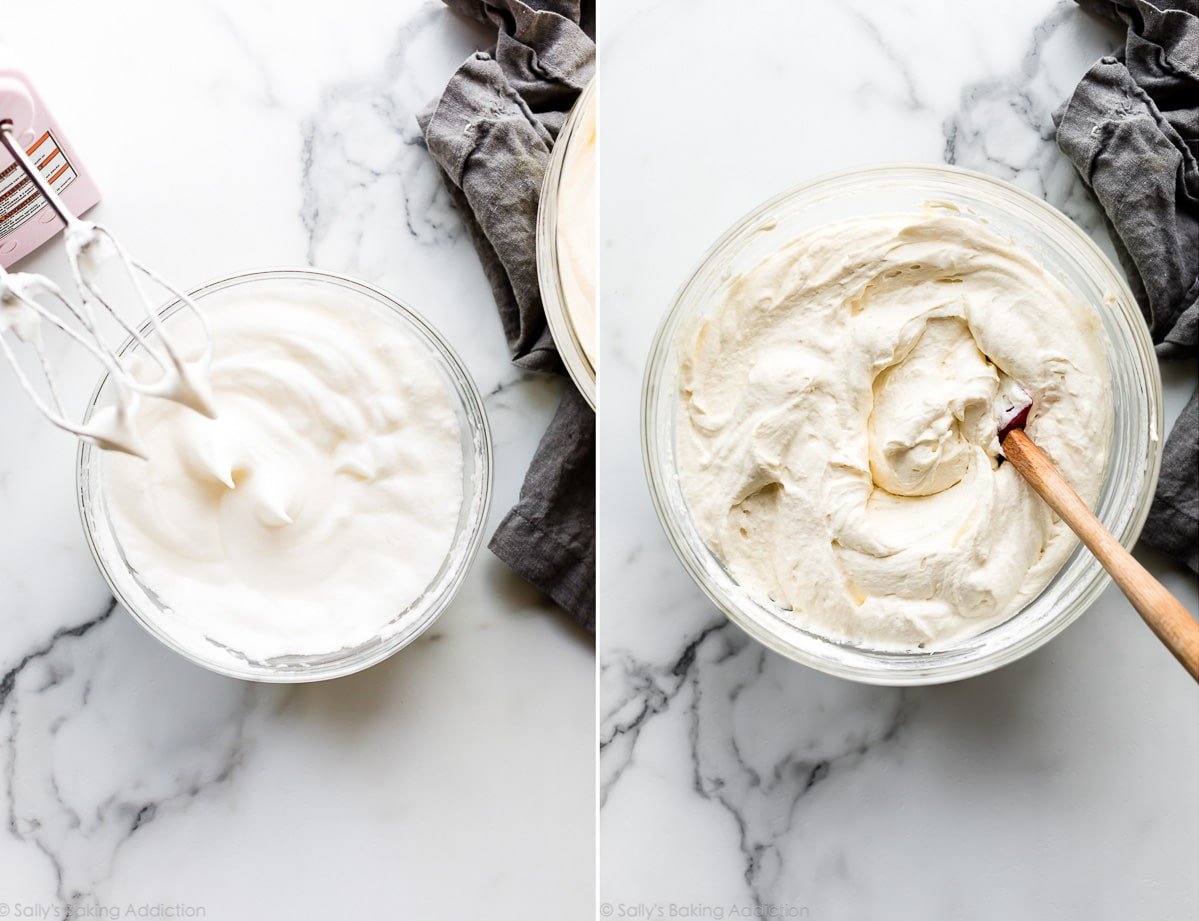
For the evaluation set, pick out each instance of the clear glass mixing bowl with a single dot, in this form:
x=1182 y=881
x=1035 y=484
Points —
x=549 y=277
x=1063 y=249
x=408 y=624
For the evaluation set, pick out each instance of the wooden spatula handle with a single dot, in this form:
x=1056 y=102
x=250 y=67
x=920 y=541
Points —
x=1164 y=613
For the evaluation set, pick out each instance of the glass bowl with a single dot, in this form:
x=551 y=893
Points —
x=558 y=315
x=407 y=624
x=1064 y=250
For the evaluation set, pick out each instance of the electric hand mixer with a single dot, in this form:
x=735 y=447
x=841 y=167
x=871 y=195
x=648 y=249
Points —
x=26 y=300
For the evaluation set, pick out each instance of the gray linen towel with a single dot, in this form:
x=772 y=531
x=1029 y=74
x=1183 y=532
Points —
x=491 y=132
x=1132 y=131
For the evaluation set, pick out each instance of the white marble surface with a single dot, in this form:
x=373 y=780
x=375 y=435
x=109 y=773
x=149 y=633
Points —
x=454 y=780
x=1061 y=787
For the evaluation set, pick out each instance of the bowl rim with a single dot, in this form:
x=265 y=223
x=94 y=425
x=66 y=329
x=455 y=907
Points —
x=659 y=355
x=583 y=373
x=468 y=397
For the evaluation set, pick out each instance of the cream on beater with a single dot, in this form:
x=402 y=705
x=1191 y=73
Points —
x=27 y=301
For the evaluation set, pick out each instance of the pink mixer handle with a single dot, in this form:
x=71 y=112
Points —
x=26 y=219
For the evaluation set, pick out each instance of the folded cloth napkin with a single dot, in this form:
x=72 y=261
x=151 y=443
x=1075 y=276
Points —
x=1132 y=131
x=491 y=133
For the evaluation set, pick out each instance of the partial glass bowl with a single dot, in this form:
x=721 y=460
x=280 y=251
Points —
x=562 y=321
x=1064 y=250
x=407 y=624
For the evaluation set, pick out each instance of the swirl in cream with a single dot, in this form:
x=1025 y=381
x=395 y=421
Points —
x=837 y=437
x=321 y=501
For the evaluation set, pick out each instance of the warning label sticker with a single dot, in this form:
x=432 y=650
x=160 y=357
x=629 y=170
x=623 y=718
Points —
x=19 y=199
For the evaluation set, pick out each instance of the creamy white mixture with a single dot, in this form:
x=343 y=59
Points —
x=837 y=434
x=576 y=230
x=322 y=499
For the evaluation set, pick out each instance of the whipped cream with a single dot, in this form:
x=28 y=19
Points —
x=575 y=229
x=837 y=432
x=29 y=302
x=321 y=501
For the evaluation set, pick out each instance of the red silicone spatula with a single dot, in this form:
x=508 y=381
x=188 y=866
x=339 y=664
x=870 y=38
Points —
x=1164 y=613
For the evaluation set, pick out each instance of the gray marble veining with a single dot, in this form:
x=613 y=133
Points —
x=1004 y=124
